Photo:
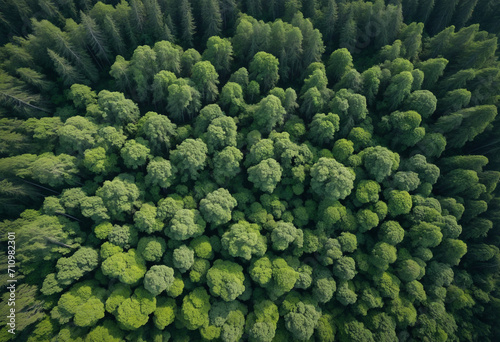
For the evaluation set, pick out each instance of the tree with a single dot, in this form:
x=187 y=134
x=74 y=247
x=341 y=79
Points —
x=182 y=100
x=160 y=172
x=151 y=248
x=265 y=175
x=83 y=304
x=108 y=331
x=116 y=109
x=82 y=95
x=391 y=232
x=228 y=319
x=54 y=170
x=93 y=207
x=323 y=127
x=302 y=319
x=331 y=179
x=158 y=130
x=158 y=279
x=344 y=268
x=226 y=164
x=120 y=72
x=264 y=70
x=164 y=314
x=225 y=279
x=68 y=72
x=219 y=53
x=339 y=63
x=220 y=133
x=187 y=24
x=168 y=56
x=119 y=195
x=422 y=101
x=379 y=162
x=398 y=89
x=400 y=202
x=312 y=102
x=425 y=235
x=185 y=223
x=269 y=113
x=70 y=269
x=98 y=162
x=183 y=258
x=134 y=153
x=78 y=133
x=231 y=98
x=134 y=312
x=189 y=58
x=205 y=79
x=473 y=121
x=433 y=69
x=244 y=240
x=216 y=207
x=367 y=191
x=261 y=324
x=128 y=267
x=195 y=308
x=189 y=158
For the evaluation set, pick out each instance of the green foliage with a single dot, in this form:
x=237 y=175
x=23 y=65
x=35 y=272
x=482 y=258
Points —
x=331 y=179
x=244 y=240
x=216 y=207
x=265 y=175
x=190 y=157
x=185 y=223
x=225 y=280
x=354 y=200
x=264 y=70
x=158 y=278
x=83 y=304
x=399 y=202
x=195 y=308
x=128 y=267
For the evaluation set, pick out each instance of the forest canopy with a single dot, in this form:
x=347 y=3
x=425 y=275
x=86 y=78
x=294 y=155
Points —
x=223 y=170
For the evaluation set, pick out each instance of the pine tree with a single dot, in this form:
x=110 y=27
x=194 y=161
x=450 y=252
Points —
x=14 y=95
x=441 y=15
x=329 y=20
x=254 y=8
x=113 y=32
x=66 y=71
x=228 y=9
x=137 y=15
x=34 y=78
x=188 y=27
x=424 y=11
x=439 y=43
x=463 y=12
x=67 y=45
x=124 y=20
x=309 y=8
x=211 y=18
x=348 y=34
x=95 y=38
x=154 y=24
x=51 y=11
x=410 y=8
x=411 y=38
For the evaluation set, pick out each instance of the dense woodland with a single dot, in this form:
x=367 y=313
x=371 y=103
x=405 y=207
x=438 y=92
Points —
x=222 y=170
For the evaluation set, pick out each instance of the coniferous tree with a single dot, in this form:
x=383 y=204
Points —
x=187 y=24
x=66 y=71
x=211 y=17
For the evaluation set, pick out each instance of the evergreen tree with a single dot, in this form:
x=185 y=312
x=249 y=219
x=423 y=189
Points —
x=187 y=24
